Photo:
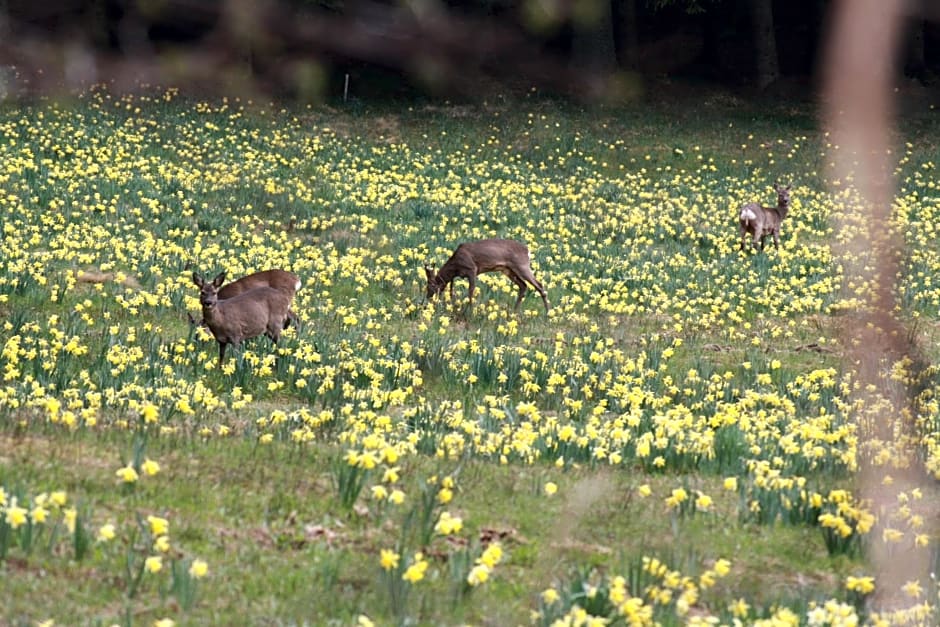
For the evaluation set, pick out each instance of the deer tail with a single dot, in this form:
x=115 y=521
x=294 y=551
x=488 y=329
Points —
x=747 y=214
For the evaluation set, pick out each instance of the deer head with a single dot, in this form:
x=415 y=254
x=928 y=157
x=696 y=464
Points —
x=209 y=290
x=434 y=286
x=783 y=195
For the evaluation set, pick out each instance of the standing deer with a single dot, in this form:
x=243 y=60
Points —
x=249 y=314
x=472 y=258
x=759 y=222
x=278 y=279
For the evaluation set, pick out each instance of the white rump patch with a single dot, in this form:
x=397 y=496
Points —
x=748 y=214
x=298 y=285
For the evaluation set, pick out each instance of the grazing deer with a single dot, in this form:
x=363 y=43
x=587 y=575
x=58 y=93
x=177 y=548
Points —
x=261 y=310
x=759 y=222
x=487 y=255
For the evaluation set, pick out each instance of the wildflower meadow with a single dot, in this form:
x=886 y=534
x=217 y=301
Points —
x=677 y=441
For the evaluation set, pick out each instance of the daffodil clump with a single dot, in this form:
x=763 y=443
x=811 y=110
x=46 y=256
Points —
x=141 y=549
x=26 y=521
x=150 y=559
x=650 y=594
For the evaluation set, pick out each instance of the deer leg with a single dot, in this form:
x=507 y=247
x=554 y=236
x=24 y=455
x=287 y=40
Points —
x=292 y=319
x=543 y=294
x=473 y=283
x=776 y=239
x=530 y=277
x=274 y=338
x=222 y=346
x=515 y=278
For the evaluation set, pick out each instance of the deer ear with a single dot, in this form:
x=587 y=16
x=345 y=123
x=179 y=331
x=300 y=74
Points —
x=788 y=187
x=198 y=280
x=219 y=279
x=428 y=272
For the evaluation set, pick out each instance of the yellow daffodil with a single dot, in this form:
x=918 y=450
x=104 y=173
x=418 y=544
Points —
x=106 y=532
x=158 y=526
x=198 y=569
x=153 y=564
x=388 y=559
x=416 y=570
x=150 y=467
x=127 y=474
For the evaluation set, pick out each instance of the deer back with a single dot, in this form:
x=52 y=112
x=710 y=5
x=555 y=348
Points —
x=487 y=255
x=278 y=279
x=248 y=314
x=756 y=218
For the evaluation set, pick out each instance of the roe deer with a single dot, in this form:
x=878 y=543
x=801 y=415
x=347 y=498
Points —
x=278 y=279
x=487 y=255
x=759 y=222
x=249 y=314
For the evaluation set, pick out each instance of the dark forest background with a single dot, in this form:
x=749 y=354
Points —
x=322 y=49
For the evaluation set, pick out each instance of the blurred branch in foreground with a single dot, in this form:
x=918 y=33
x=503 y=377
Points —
x=862 y=59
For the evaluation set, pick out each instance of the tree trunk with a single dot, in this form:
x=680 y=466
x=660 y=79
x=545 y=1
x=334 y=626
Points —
x=96 y=24
x=629 y=36
x=765 y=43
x=712 y=24
x=915 y=64
x=593 y=40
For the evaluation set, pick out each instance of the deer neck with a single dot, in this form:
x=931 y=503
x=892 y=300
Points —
x=446 y=274
x=210 y=312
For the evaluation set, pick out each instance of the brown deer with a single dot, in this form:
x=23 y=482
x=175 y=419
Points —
x=488 y=255
x=261 y=310
x=278 y=279
x=758 y=222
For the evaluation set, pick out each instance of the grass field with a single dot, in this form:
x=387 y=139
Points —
x=676 y=442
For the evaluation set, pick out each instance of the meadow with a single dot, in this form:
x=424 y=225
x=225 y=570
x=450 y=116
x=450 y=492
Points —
x=677 y=442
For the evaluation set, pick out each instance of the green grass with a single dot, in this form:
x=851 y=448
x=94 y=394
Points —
x=669 y=359
x=274 y=550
